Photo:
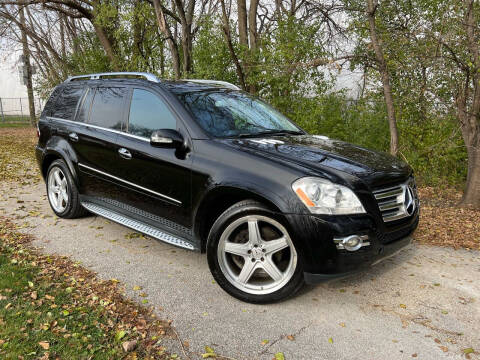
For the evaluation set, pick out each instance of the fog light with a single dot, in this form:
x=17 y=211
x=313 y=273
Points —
x=352 y=242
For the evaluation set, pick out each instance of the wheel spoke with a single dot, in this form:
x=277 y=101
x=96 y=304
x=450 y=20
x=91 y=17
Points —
x=60 y=199
x=247 y=271
x=271 y=269
x=254 y=236
x=273 y=246
x=236 y=249
x=58 y=180
x=64 y=195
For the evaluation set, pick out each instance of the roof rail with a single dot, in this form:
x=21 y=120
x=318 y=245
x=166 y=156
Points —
x=147 y=76
x=219 y=83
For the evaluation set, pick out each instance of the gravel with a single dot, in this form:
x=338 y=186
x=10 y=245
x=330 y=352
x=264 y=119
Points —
x=423 y=302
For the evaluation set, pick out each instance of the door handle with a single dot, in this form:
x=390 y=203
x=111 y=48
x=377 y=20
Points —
x=73 y=136
x=124 y=153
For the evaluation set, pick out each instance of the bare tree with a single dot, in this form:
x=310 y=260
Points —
x=372 y=6
x=28 y=67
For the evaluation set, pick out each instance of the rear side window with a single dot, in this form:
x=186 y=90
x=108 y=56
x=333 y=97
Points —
x=149 y=113
x=107 y=107
x=84 y=106
x=66 y=103
x=47 y=110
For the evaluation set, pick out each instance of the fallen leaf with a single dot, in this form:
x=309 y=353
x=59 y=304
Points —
x=330 y=340
x=120 y=335
x=209 y=353
x=403 y=306
x=342 y=324
x=33 y=295
x=443 y=348
x=279 y=356
x=45 y=345
x=265 y=342
x=468 y=351
x=129 y=345
x=290 y=337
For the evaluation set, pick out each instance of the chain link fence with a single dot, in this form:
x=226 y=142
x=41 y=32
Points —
x=16 y=110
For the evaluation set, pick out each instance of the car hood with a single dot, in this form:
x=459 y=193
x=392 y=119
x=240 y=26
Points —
x=315 y=151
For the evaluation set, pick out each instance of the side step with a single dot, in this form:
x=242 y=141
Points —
x=137 y=225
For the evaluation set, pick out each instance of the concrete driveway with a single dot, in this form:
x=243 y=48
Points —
x=423 y=303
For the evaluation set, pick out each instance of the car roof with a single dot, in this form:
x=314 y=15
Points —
x=178 y=86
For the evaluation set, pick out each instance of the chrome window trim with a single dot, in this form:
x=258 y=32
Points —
x=100 y=128
x=130 y=183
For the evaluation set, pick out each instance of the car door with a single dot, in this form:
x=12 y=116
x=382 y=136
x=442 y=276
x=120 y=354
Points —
x=159 y=179
x=100 y=118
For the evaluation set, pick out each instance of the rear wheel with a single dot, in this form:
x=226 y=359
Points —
x=251 y=254
x=62 y=193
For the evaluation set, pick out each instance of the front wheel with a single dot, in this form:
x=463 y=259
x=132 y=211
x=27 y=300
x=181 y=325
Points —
x=251 y=255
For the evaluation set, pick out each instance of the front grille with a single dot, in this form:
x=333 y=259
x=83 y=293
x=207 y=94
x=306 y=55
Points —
x=397 y=202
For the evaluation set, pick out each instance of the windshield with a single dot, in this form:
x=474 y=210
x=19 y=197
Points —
x=231 y=114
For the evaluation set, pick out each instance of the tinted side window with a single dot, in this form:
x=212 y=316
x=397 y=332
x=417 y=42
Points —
x=148 y=113
x=85 y=105
x=107 y=107
x=47 y=110
x=66 y=103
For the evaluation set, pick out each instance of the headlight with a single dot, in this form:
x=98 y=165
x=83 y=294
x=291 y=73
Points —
x=324 y=197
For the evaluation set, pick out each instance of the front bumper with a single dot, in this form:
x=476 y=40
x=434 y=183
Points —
x=321 y=258
x=383 y=253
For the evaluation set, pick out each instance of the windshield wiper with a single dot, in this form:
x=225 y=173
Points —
x=280 y=132
x=269 y=132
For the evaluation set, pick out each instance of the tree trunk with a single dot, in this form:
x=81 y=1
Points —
x=107 y=45
x=252 y=31
x=228 y=39
x=187 y=48
x=242 y=23
x=172 y=44
x=387 y=88
x=26 y=61
x=471 y=195
x=469 y=114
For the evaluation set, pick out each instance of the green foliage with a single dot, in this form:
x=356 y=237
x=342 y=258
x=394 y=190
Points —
x=434 y=147
x=211 y=57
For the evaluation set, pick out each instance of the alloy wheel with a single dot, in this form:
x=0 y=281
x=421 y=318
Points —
x=58 y=190
x=256 y=255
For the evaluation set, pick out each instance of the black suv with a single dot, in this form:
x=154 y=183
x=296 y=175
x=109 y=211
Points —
x=204 y=166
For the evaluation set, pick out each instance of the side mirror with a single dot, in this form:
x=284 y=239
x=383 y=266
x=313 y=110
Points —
x=166 y=138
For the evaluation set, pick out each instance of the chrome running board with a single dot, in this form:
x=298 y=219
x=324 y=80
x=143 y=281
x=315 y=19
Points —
x=137 y=225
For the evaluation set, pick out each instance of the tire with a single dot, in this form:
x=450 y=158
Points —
x=251 y=255
x=62 y=192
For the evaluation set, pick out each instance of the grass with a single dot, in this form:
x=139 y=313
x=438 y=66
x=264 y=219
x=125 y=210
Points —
x=15 y=125
x=14 y=121
x=53 y=308
x=33 y=328
x=14 y=118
